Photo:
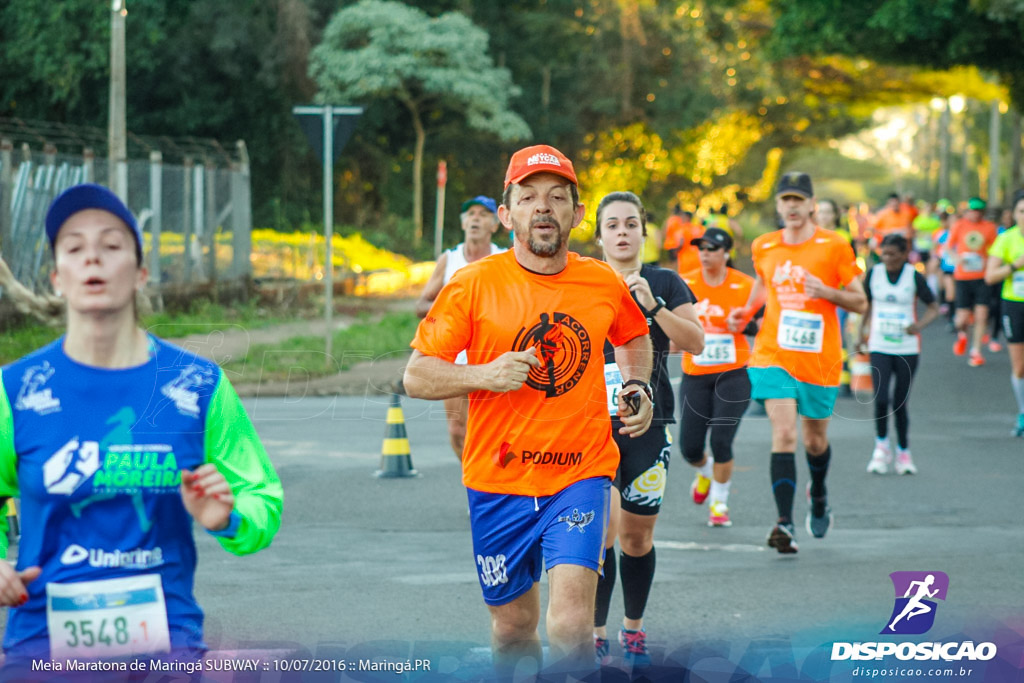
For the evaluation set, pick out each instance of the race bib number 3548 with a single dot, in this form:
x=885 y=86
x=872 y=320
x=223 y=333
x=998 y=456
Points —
x=110 y=618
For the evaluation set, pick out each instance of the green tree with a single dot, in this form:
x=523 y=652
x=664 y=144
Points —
x=387 y=50
x=936 y=34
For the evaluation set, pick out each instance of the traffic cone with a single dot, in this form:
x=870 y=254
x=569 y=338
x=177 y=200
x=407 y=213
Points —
x=13 y=525
x=844 y=376
x=395 y=459
x=860 y=374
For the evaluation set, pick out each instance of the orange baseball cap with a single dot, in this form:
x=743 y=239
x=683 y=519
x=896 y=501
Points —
x=539 y=159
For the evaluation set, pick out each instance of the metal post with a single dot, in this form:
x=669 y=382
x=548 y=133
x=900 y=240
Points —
x=241 y=215
x=1015 y=154
x=328 y=227
x=944 y=151
x=210 y=221
x=323 y=140
x=117 y=134
x=156 y=178
x=6 y=192
x=442 y=181
x=993 y=155
x=88 y=165
x=186 y=220
x=965 y=159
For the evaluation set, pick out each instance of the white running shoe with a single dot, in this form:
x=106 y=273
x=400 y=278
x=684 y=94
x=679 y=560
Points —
x=880 y=459
x=904 y=463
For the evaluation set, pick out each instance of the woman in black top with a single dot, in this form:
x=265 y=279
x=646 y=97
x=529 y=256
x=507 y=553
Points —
x=668 y=302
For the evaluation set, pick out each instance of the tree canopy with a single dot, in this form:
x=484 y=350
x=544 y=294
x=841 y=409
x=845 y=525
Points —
x=937 y=34
x=377 y=50
x=696 y=101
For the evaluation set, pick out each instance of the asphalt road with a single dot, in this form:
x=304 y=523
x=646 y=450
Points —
x=362 y=559
x=368 y=565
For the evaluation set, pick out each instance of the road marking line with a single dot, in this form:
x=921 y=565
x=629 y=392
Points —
x=727 y=547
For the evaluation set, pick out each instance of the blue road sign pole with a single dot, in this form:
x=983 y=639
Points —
x=328 y=227
x=324 y=142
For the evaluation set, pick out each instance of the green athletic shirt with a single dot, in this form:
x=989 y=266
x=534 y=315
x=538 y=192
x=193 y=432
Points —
x=1009 y=247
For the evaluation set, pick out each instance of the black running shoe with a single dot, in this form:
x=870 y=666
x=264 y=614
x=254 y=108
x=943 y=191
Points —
x=819 y=515
x=782 y=538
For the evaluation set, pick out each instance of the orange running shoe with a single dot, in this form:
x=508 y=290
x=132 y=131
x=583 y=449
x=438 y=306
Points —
x=960 y=345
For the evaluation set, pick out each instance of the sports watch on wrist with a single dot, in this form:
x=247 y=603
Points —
x=644 y=386
x=659 y=305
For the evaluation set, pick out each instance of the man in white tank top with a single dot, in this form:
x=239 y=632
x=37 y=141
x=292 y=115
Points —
x=479 y=217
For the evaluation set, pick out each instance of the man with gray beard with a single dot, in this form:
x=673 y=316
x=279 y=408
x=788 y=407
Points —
x=539 y=455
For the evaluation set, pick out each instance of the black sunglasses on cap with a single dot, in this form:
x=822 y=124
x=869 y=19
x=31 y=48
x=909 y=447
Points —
x=708 y=247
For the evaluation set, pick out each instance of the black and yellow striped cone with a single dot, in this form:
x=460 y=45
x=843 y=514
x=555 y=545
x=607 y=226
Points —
x=844 y=376
x=13 y=525
x=395 y=458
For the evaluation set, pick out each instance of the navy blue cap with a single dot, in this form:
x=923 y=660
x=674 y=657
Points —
x=480 y=200
x=89 y=196
x=796 y=183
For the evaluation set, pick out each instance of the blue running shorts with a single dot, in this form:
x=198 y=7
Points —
x=812 y=400
x=514 y=536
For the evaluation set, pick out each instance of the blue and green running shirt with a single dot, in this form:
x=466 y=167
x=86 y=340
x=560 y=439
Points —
x=96 y=456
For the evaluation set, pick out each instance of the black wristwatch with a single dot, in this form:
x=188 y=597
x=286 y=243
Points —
x=660 y=305
x=644 y=386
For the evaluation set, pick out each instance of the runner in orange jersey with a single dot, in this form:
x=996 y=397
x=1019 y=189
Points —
x=680 y=230
x=970 y=238
x=805 y=272
x=715 y=390
x=539 y=455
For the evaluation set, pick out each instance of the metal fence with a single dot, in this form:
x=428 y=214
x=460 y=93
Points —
x=196 y=218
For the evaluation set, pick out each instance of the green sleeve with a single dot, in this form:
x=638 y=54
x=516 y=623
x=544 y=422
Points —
x=232 y=445
x=8 y=462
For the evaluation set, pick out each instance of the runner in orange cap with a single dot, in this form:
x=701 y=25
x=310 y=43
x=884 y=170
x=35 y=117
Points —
x=539 y=455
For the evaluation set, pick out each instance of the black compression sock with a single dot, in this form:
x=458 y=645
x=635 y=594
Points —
x=818 y=465
x=637 y=577
x=783 y=473
x=605 y=587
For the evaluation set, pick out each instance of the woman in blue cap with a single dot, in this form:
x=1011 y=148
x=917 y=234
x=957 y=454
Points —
x=116 y=443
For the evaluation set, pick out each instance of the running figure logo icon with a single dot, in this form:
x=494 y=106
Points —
x=563 y=347
x=577 y=520
x=914 y=613
x=71 y=466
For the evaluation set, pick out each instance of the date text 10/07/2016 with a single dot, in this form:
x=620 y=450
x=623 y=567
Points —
x=212 y=663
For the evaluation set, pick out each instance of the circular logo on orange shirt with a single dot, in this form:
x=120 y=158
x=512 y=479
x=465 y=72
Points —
x=563 y=347
x=974 y=240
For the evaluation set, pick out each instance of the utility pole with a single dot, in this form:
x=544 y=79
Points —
x=117 y=133
x=327 y=140
x=944 y=126
x=993 y=153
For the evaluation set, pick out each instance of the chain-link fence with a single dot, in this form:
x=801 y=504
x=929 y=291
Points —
x=196 y=218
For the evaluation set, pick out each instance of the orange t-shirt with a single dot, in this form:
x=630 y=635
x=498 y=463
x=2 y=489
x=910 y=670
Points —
x=971 y=241
x=678 y=234
x=799 y=334
x=675 y=227
x=723 y=350
x=555 y=429
x=910 y=210
x=889 y=221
